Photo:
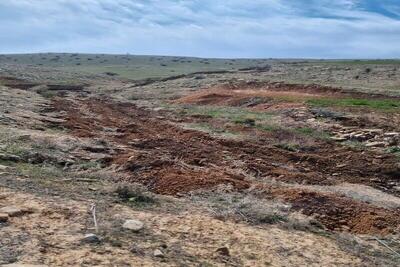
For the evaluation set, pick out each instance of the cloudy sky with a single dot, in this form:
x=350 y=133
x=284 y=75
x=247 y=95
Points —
x=206 y=28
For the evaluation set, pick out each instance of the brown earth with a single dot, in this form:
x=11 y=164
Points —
x=171 y=160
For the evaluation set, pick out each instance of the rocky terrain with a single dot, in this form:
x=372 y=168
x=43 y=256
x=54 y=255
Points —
x=258 y=163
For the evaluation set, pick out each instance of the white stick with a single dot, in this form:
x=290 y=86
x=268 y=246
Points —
x=93 y=209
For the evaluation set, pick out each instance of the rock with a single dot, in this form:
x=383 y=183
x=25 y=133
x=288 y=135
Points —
x=338 y=138
x=3 y=217
x=223 y=251
x=8 y=157
x=392 y=134
x=133 y=225
x=158 y=253
x=359 y=137
x=23 y=265
x=374 y=131
x=375 y=144
x=11 y=211
x=91 y=239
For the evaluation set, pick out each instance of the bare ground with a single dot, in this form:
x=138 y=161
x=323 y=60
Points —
x=94 y=142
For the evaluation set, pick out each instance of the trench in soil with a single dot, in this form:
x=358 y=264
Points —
x=171 y=160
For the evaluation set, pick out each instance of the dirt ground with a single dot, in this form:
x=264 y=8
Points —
x=308 y=148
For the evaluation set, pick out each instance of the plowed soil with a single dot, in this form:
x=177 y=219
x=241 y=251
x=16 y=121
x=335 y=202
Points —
x=153 y=150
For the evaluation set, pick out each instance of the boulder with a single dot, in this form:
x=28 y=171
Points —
x=134 y=225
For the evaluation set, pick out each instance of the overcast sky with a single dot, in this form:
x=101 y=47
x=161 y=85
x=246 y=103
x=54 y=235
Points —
x=206 y=28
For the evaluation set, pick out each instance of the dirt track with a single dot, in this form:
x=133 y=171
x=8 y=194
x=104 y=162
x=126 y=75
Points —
x=171 y=160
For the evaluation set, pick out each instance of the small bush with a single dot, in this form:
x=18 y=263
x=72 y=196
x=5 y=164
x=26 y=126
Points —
x=135 y=194
x=224 y=205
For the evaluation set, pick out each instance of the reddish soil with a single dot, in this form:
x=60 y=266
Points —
x=172 y=160
x=313 y=89
x=267 y=96
x=338 y=213
x=236 y=97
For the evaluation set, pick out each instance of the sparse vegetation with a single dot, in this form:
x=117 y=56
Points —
x=270 y=158
x=384 y=104
x=227 y=205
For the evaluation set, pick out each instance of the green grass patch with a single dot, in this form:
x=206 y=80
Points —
x=379 y=104
x=232 y=114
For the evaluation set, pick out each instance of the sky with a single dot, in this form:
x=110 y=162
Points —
x=204 y=28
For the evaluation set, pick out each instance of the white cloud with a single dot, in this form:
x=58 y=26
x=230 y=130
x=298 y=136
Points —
x=215 y=28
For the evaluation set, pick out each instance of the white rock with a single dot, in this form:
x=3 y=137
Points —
x=393 y=134
x=375 y=144
x=133 y=225
x=158 y=253
x=11 y=211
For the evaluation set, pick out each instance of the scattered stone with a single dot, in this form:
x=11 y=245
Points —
x=11 y=211
x=393 y=134
x=374 y=131
x=338 y=138
x=91 y=238
x=158 y=253
x=359 y=137
x=375 y=144
x=133 y=225
x=3 y=217
x=223 y=251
